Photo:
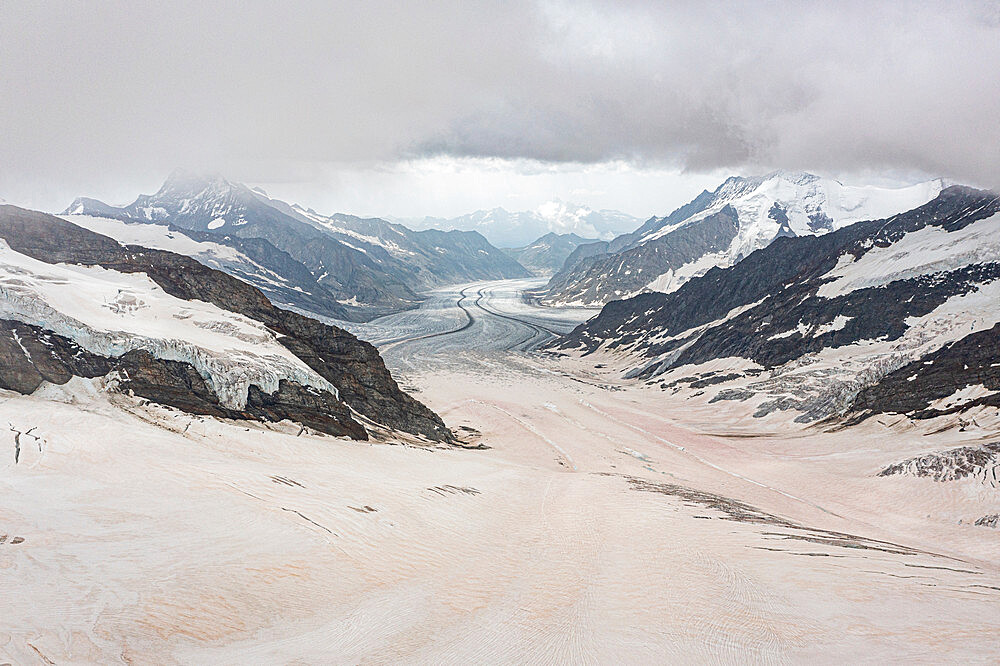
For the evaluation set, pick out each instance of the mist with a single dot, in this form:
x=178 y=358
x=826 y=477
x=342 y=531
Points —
x=105 y=99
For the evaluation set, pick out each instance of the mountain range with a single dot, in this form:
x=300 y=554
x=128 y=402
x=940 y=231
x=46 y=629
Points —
x=518 y=229
x=898 y=315
x=339 y=266
x=548 y=253
x=719 y=228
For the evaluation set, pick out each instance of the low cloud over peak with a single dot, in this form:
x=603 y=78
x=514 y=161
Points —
x=846 y=87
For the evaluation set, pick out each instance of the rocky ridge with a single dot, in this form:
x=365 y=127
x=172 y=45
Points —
x=547 y=253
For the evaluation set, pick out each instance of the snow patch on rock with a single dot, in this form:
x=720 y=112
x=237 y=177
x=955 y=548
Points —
x=922 y=252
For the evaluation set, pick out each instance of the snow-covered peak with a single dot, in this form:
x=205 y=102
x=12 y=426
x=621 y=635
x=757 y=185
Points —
x=797 y=177
x=791 y=202
x=208 y=201
x=88 y=206
x=563 y=218
x=719 y=228
x=182 y=181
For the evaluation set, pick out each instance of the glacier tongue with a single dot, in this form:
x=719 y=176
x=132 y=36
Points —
x=112 y=313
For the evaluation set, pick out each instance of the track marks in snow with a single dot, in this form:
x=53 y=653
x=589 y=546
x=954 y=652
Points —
x=309 y=520
x=533 y=430
x=703 y=461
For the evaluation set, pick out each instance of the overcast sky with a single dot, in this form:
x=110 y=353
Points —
x=412 y=108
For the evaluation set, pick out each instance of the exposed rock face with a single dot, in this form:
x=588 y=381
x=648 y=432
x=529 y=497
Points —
x=426 y=258
x=352 y=366
x=30 y=355
x=992 y=520
x=604 y=277
x=918 y=315
x=870 y=313
x=319 y=410
x=719 y=228
x=298 y=286
x=575 y=258
x=978 y=462
x=548 y=253
x=916 y=387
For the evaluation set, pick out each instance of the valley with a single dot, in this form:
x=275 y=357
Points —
x=590 y=519
x=480 y=317
x=499 y=333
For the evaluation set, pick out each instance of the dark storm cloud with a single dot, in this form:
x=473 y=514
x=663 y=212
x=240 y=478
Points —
x=92 y=92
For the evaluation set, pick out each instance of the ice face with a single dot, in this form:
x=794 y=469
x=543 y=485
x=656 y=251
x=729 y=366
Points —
x=112 y=313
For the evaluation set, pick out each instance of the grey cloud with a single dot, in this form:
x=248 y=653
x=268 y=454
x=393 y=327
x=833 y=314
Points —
x=98 y=92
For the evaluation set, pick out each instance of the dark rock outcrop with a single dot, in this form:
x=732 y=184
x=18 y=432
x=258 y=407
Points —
x=974 y=360
x=354 y=367
x=966 y=461
x=991 y=520
x=30 y=355
x=603 y=277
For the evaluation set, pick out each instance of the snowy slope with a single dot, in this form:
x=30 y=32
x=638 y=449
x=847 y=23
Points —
x=922 y=252
x=285 y=281
x=666 y=252
x=896 y=315
x=111 y=313
x=160 y=237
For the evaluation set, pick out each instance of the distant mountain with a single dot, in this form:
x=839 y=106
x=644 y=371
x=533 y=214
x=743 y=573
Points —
x=427 y=258
x=511 y=230
x=900 y=315
x=718 y=229
x=547 y=254
x=284 y=280
x=340 y=265
x=163 y=327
